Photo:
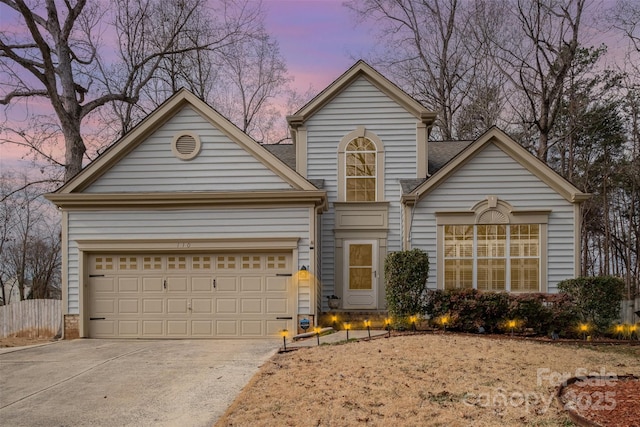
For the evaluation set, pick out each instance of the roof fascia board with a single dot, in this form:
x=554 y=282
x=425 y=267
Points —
x=363 y=69
x=504 y=142
x=108 y=201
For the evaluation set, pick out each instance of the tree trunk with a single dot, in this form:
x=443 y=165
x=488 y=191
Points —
x=74 y=154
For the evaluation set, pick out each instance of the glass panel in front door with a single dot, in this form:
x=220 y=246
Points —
x=360 y=266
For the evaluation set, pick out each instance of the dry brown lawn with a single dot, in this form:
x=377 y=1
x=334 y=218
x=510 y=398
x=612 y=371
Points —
x=23 y=341
x=422 y=380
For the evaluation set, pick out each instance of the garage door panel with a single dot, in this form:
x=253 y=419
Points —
x=251 y=284
x=251 y=305
x=277 y=306
x=177 y=305
x=153 y=327
x=202 y=306
x=104 y=306
x=152 y=284
x=128 y=306
x=190 y=295
x=226 y=306
x=251 y=328
x=103 y=328
x=177 y=328
x=177 y=284
x=202 y=284
x=202 y=328
x=226 y=284
x=103 y=285
x=152 y=306
x=128 y=328
x=228 y=328
x=276 y=284
x=128 y=284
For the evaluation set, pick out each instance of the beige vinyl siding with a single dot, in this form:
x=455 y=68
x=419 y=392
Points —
x=493 y=172
x=360 y=104
x=184 y=225
x=221 y=165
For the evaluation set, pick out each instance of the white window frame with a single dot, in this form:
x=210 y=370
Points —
x=342 y=162
x=493 y=212
x=374 y=176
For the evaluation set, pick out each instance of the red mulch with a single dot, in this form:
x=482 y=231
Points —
x=602 y=401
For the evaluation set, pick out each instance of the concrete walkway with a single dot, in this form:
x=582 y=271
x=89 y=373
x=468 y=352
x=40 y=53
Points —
x=335 y=337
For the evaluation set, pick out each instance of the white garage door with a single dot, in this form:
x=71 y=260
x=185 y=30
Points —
x=189 y=295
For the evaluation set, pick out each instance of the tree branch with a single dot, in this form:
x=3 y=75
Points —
x=22 y=94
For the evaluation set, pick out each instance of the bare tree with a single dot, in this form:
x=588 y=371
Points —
x=197 y=58
x=61 y=58
x=535 y=51
x=30 y=240
x=427 y=51
x=253 y=75
x=625 y=16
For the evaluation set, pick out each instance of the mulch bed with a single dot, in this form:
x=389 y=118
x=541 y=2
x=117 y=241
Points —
x=602 y=401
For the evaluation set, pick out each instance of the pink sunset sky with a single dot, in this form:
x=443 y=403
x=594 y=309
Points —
x=319 y=39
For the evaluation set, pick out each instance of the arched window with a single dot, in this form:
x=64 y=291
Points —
x=360 y=168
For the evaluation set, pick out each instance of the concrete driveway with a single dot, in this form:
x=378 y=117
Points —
x=126 y=382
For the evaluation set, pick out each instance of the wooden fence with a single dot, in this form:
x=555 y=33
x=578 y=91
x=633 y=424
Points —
x=31 y=318
x=628 y=309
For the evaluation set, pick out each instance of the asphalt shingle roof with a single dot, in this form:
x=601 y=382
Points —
x=440 y=153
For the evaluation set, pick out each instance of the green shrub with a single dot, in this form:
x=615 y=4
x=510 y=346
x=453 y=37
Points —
x=406 y=274
x=597 y=299
x=563 y=314
x=469 y=310
x=544 y=313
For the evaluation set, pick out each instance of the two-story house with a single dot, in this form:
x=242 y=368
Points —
x=186 y=227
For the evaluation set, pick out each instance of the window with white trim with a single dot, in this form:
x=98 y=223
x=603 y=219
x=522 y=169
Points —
x=361 y=167
x=360 y=176
x=493 y=249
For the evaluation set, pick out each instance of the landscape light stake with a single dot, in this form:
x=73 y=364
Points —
x=413 y=320
x=444 y=320
x=367 y=323
x=317 y=331
x=512 y=325
x=387 y=324
x=584 y=328
x=284 y=338
x=347 y=326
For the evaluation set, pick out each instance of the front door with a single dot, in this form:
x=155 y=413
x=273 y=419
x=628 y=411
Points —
x=360 y=274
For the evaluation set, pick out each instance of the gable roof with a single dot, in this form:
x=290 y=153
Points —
x=362 y=69
x=504 y=142
x=441 y=153
x=285 y=152
x=156 y=119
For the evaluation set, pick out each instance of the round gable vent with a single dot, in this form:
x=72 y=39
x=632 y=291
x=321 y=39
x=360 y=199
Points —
x=185 y=145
